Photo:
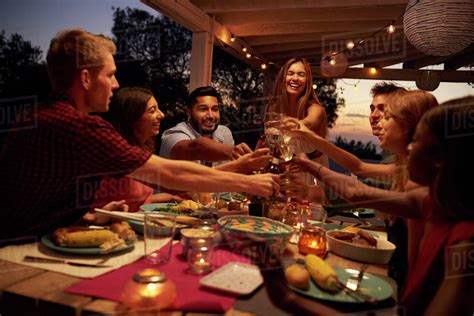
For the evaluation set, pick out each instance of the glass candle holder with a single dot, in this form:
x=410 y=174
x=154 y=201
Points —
x=312 y=241
x=200 y=256
x=149 y=288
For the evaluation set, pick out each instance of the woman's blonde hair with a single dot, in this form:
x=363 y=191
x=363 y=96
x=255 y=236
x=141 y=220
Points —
x=279 y=101
x=73 y=50
x=407 y=108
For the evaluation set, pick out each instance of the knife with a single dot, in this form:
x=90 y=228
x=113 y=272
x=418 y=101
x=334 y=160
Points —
x=72 y=263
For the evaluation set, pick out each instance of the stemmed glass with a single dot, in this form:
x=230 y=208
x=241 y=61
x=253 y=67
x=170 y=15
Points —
x=273 y=122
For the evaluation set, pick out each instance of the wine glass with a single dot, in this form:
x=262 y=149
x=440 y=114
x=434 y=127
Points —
x=287 y=151
x=272 y=126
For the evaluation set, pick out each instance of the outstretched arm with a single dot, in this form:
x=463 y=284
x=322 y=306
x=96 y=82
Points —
x=342 y=157
x=189 y=176
x=207 y=149
x=404 y=204
x=248 y=162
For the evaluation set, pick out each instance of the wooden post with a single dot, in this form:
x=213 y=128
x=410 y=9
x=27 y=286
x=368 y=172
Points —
x=201 y=60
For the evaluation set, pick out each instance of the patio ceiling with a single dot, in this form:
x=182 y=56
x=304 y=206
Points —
x=276 y=30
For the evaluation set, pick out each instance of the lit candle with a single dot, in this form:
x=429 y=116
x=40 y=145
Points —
x=148 y=288
x=199 y=256
x=312 y=241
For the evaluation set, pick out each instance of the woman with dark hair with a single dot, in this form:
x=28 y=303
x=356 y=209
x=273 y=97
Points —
x=135 y=114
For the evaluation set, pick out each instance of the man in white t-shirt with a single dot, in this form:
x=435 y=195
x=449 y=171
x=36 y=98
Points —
x=203 y=140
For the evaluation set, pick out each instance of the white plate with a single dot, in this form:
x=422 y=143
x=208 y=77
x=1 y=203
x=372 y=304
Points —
x=235 y=278
x=379 y=255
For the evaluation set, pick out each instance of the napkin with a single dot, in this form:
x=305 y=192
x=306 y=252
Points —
x=190 y=296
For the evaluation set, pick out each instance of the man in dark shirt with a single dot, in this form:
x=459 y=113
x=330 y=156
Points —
x=56 y=154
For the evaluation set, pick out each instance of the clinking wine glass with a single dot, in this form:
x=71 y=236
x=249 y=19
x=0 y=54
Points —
x=272 y=125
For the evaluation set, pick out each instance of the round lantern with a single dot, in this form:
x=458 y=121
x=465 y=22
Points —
x=428 y=80
x=333 y=65
x=439 y=27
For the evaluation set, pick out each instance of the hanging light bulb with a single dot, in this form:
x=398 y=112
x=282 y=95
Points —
x=244 y=49
x=315 y=86
x=263 y=66
x=232 y=38
x=332 y=61
x=350 y=45
x=391 y=28
x=248 y=55
x=373 y=70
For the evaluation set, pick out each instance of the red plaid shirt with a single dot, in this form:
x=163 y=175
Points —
x=51 y=165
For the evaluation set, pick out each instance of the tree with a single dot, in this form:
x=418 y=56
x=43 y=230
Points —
x=21 y=71
x=361 y=150
x=153 y=52
x=327 y=95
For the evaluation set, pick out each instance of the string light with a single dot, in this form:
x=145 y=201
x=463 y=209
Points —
x=391 y=28
x=350 y=44
x=315 y=86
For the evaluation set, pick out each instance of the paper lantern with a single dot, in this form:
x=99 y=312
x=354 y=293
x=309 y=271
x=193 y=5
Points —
x=439 y=27
x=333 y=65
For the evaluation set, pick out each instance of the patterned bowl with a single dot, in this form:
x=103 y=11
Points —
x=241 y=227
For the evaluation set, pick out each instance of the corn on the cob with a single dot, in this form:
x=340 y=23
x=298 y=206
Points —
x=321 y=272
x=88 y=238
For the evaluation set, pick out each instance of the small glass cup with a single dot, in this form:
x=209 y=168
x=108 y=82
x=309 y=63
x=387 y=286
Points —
x=158 y=233
x=200 y=256
x=312 y=241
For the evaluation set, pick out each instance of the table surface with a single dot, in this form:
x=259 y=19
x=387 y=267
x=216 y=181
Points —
x=27 y=291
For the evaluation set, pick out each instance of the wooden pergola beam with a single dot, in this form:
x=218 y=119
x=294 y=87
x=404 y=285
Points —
x=376 y=13
x=292 y=28
x=400 y=74
x=269 y=40
x=215 y=6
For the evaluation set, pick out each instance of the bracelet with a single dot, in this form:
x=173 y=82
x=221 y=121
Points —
x=317 y=172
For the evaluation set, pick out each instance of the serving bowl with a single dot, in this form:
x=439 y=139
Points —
x=379 y=255
x=256 y=228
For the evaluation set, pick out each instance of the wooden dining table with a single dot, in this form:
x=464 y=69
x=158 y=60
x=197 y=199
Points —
x=34 y=291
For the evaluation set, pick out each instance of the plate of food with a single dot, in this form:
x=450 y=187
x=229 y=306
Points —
x=85 y=241
x=317 y=279
x=370 y=285
x=361 y=245
x=186 y=207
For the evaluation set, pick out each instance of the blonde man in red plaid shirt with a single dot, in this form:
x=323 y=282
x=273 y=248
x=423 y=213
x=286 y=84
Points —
x=56 y=153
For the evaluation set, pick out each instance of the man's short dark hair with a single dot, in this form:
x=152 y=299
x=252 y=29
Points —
x=382 y=88
x=203 y=92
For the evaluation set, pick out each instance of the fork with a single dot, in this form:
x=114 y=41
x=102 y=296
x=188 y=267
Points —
x=363 y=221
x=354 y=280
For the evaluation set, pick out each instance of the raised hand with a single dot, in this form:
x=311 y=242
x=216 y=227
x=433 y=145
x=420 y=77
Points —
x=264 y=184
x=254 y=161
x=240 y=150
